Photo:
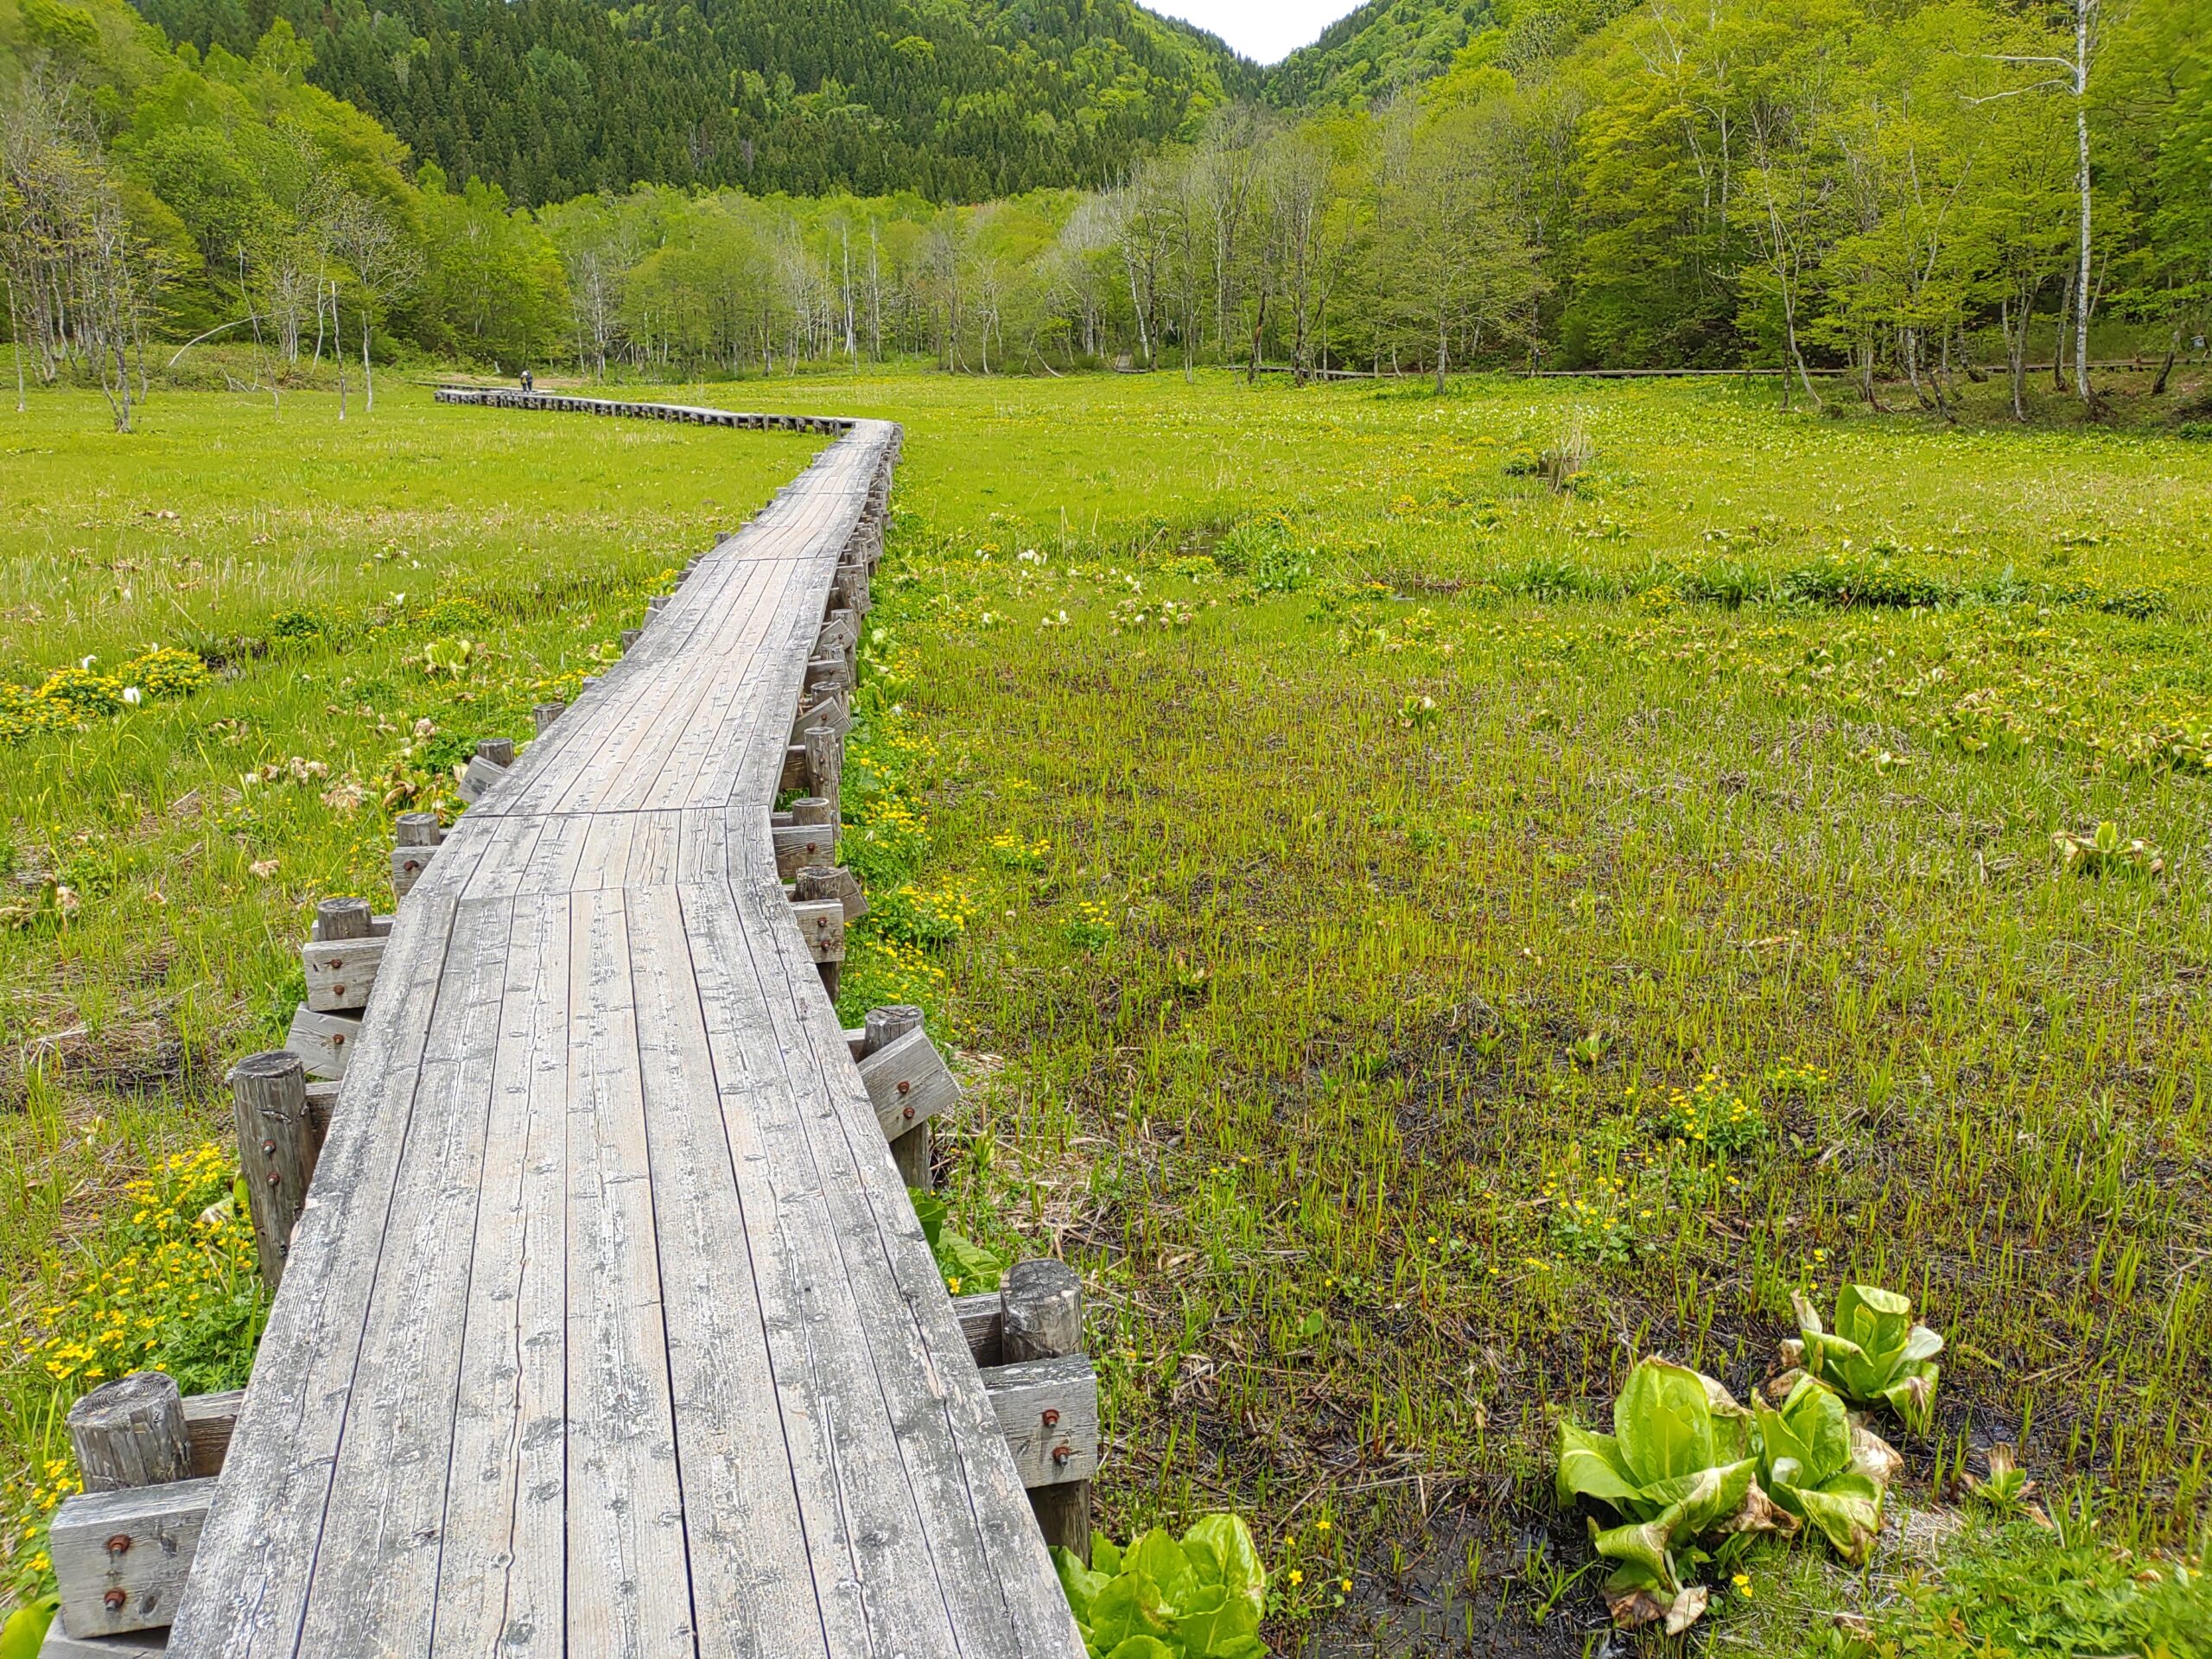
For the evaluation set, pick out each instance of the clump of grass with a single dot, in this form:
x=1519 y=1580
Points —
x=1570 y=457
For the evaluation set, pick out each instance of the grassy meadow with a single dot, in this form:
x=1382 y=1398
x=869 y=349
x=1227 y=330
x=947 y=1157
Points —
x=1419 y=939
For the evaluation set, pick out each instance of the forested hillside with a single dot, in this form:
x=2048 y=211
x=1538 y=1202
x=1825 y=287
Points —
x=1887 y=199
x=1384 y=46
x=959 y=99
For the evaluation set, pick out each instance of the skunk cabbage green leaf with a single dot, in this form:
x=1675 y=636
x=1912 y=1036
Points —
x=1679 y=1464
x=967 y=1266
x=1199 y=1598
x=24 y=1633
x=1875 y=1355
x=1825 y=1470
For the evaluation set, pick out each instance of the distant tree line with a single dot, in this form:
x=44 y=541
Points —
x=1910 y=193
x=1887 y=193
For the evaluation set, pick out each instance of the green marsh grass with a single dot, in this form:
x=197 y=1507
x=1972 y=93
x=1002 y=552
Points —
x=1335 y=1032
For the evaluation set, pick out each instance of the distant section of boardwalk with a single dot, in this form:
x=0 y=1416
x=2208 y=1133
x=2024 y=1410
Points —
x=607 y=1329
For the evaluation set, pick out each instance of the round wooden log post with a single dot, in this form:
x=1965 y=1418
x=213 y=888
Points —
x=341 y=919
x=631 y=636
x=886 y=1025
x=415 y=835
x=277 y=1148
x=825 y=762
x=812 y=883
x=811 y=809
x=499 y=751
x=130 y=1433
x=914 y=1152
x=545 y=713
x=1040 y=1317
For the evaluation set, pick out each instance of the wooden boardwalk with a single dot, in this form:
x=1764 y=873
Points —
x=607 y=1329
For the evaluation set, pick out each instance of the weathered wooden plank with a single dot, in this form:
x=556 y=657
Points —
x=802 y=844
x=865 y=1535
x=341 y=973
x=642 y=715
x=502 y=1570
x=1048 y=1410
x=771 y=564
x=822 y=925
x=325 y=1042
x=535 y=855
x=1000 y=1592
x=908 y=1084
x=978 y=1316
x=378 y=1560
x=628 y=1594
x=407 y=866
x=61 y=1643
x=752 y=1586
x=726 y=705
x=272 y=1498
x=606 y=855
x=655 y=848
x=209 y=1420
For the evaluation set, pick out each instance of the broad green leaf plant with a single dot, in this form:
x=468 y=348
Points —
x=1200 y=1598
x=1693 y=1477
x=1680 y=1465
x=1823 y=1468
x=24 y=1633
x=1875 y=1356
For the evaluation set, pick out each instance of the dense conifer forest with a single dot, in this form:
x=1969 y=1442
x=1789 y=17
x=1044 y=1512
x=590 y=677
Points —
x=556 y=98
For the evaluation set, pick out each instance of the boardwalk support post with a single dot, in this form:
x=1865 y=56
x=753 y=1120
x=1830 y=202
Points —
x=1040 y=1314
x=120 y=1548
x=416 y=835
x=817 y=899
x=808 y=840
x=914 y=1149
x=342 y=919
x=131 y=1433
x=277 y=1148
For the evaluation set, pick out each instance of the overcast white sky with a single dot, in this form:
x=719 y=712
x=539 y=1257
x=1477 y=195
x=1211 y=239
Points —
x=1266 y=30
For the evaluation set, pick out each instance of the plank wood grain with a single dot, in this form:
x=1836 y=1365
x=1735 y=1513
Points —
x=384 y=1514
x=502 y=1573
x=628 y=1582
